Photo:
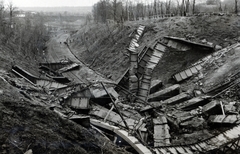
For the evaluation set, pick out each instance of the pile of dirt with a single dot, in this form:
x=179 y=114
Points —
x=25 y=125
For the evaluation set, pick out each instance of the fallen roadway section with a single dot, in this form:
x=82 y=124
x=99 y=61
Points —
x=35 y=80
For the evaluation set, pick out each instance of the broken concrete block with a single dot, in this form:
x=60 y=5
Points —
x=195 y=103
x=218 y=47
x=155 y=86
x=212 y=107
x=113 y=117
x=176 y=99
x=161 y=132
x=204 y=41
x=29 y=152
x=223 y=119
x=69 y=67
x=165 y=93
x=197 y=93
x=210 y=44
x=195 y=122
x=79 y=103
x=229 y=108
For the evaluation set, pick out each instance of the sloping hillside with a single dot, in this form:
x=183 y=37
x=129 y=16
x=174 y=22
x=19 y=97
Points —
x=103 y=46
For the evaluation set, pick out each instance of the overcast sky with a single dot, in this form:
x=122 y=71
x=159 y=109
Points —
x=51 y=3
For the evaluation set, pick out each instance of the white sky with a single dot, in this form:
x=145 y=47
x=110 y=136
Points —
x=50 y=3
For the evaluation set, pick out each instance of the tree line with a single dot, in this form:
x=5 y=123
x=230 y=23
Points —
x=27 y=33
x=124 y=10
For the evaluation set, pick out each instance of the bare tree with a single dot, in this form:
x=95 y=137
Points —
x=183 y=8
x=193 y=6
x=220 y=6
x=1 y=10
x=11 y=11
x=236 y=6
x=114 y=3
x=187 y=6
x=155 y=8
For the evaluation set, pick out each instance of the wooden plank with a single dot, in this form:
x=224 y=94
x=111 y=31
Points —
x=198 y=147
x=188 y=150
x=162 y=150
x=180 y=150
x=172 y=150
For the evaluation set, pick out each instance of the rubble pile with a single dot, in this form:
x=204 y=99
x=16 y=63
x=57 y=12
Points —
x=148 y=116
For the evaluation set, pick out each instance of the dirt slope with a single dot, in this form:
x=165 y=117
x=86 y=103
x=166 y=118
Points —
x=27 y=123
x=103 y=47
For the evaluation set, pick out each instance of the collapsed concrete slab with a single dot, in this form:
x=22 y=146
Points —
x=195 y=103
x=68 y=67
x=156 y=85
x=165 y=93
x=56 y=65
x=171 y=101
x=24 y=74
x=49 y=84
x=115 y=118
x=35 y=80
x=212 y=108
x=100 y=92
x=83 y=120
x=79 y=103
x=177 y=99
x=187 y=73
x=223 y=119
x=161 y=134
x=184 y=45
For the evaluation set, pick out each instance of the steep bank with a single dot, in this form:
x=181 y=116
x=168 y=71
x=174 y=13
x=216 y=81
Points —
x=103 y=47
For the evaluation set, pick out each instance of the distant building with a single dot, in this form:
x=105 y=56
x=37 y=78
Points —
x=22 y=15
x=212 y=2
